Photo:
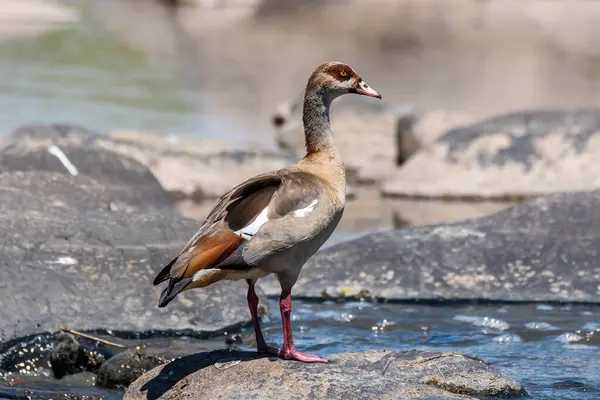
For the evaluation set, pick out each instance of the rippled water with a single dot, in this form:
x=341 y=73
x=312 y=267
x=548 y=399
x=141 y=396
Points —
x=553 y=350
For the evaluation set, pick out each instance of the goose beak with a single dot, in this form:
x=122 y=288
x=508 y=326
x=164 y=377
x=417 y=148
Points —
x=365 y=90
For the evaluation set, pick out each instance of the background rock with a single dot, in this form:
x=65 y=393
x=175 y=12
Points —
x=543 y=250
x=69 y=357
x=67 y=258
x=196 y=169
x=29 y=149
x=371 y=375
x=517 y=155
x=139 y=165
x=122 y=369
x=373 y=138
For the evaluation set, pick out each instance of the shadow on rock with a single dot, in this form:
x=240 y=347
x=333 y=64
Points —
x=175 y=371
x=368 y=375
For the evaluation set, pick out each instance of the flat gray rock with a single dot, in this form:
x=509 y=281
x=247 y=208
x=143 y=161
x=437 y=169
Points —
x=69 y=257
x=370 y=375
x=197 y=169
x=74 y=150
x=517 y=155
x=543 y=250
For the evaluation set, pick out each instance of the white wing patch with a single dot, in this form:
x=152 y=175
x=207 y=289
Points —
x=303 y=212
x=250 y=230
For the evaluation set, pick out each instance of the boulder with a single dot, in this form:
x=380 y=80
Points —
x=67 y=258
x=369 y=375
x=513 y=156
x=542 y=250
x=411 y=212
x=365 y=136
x=125 y=367
x=373 y=138
x=69 y=357
x=197 y=169
x=77 y=151
x=139 y=164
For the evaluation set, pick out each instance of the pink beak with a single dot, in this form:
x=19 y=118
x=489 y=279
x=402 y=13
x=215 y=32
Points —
x=366 y=90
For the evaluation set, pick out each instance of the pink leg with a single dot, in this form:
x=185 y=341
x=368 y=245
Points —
x=261 y=345
x=288 y=351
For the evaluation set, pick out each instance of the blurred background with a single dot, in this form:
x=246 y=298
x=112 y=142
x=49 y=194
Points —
x=486 y=103
x=227 y=75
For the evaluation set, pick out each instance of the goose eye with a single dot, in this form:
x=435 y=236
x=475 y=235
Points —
x=343 y=73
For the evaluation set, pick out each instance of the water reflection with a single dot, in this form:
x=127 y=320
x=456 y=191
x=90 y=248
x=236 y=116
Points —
x=85 y=74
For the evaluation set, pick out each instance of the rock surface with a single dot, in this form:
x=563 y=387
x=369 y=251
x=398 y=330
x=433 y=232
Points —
x=122 y=369
x=518 y=155
x=67 y=258
x=370 y=375
x=373 y=139
x=74 y=150
x=365 y=138
x=196 y=169
x=139 y=163
x=543 y=250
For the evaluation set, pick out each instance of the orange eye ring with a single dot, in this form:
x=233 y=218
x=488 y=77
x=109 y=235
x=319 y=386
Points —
x=343 y=73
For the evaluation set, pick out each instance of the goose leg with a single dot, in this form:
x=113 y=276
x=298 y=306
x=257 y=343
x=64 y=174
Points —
x=288 y=351
x=261 y=345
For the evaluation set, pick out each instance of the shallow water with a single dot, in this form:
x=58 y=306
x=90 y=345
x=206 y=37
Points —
x=552 y=350
x=83 y=73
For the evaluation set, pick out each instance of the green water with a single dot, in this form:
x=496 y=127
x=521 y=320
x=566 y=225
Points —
x=82 y=73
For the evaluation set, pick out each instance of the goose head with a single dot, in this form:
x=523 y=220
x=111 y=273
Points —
x=333 y=79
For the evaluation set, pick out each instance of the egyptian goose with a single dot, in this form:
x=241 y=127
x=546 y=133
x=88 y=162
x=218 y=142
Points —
x=274 y=222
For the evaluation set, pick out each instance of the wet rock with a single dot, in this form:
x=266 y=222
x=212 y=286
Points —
x=513 y=156
x=542 y=250
x=124 y=368
x=196 y=169
x=369 y=375
x=67 y=259
x=68 y=357
x=74 y=150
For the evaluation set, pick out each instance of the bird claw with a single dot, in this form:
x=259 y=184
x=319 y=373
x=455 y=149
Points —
x=292 y=354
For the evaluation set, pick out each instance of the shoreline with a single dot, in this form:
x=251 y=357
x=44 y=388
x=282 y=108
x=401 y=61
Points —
x=24 y=18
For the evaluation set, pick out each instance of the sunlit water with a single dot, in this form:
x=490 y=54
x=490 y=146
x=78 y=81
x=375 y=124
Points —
x=553 y=350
